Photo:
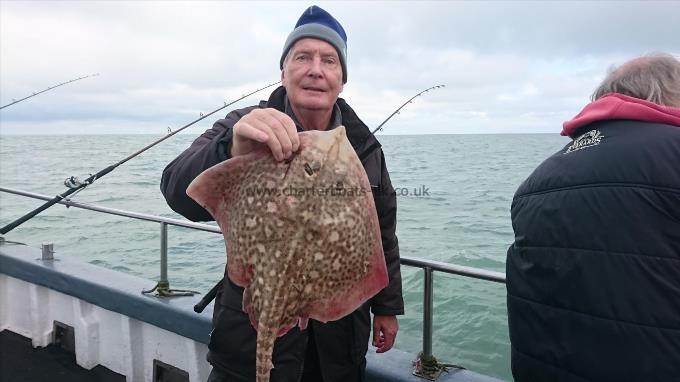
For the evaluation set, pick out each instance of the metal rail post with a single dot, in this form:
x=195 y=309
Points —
x=427 y=312
x=427 y=366
x=164 y=254
x=47 y=251
x=162 y=288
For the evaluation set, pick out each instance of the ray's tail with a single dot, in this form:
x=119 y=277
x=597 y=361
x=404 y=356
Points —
x=266 y=336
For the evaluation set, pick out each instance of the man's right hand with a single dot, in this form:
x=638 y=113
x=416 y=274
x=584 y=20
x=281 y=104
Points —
x=268 y=127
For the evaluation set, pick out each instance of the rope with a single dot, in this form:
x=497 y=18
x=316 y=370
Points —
x=430 y=368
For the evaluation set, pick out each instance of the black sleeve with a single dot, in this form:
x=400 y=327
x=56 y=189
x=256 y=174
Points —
x=388 y=301
x=211 y=148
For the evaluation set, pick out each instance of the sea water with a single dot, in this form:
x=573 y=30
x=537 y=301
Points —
x=454 y=202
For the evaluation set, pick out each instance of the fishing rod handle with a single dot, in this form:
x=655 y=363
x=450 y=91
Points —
x=55 y=200
x=36 y=211
x=198 y=308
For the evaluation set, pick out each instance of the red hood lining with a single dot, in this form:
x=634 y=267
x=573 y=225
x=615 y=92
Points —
x=619 y=106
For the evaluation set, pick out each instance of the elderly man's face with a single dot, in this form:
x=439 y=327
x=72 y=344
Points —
x=312 y=75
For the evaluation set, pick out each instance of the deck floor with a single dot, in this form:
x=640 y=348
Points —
x=19 y=361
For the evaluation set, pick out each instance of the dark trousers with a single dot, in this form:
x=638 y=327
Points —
x=232 y=346
x=311 y=372
x=312 y=369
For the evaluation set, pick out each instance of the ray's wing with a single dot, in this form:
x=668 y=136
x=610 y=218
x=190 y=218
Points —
x=219 y=190
x=344 y=260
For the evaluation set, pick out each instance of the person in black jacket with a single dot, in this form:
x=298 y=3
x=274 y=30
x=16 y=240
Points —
x=593 y=277
x=313 y=73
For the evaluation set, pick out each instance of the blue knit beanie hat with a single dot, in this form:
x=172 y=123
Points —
x=319 y=24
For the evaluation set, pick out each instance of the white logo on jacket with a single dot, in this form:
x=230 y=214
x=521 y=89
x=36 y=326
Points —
x=589 y=139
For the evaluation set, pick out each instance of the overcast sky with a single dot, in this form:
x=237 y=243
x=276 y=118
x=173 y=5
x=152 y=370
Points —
x=508 y=67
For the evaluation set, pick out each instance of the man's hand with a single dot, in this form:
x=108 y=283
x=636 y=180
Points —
x=268 y=127
x=384 y=332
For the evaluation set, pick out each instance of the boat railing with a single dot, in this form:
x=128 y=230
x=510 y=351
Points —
x=428 y=266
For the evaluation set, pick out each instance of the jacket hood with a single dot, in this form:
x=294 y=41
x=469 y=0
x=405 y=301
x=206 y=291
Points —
x=619 y=106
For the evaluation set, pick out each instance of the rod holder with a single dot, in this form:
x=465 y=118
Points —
x=48 y=251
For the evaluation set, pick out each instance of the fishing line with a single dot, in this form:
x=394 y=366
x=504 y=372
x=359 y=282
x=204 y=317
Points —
x=75 y=185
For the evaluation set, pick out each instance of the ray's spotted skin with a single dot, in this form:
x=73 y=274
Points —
x=302 y=236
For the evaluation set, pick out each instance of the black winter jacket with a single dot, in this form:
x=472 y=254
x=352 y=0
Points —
x=341 y=344
x=593 y=277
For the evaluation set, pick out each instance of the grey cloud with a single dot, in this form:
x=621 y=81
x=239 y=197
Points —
x=508 y=66
x=551 y=28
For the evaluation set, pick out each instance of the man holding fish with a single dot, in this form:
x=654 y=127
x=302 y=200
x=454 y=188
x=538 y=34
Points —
x=291 y=127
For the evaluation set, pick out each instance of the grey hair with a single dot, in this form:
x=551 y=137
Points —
x=285 y=60
x=654 y=78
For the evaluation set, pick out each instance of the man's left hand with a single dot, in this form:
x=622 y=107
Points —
x=384 y=332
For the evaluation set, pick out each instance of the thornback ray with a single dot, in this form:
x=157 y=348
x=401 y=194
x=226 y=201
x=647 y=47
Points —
x=302 y=236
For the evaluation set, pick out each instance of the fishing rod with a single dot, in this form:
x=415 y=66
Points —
x=366 y=152
x=379 y=128
x=75 y=185
x=201 y=305
x=49 y=88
